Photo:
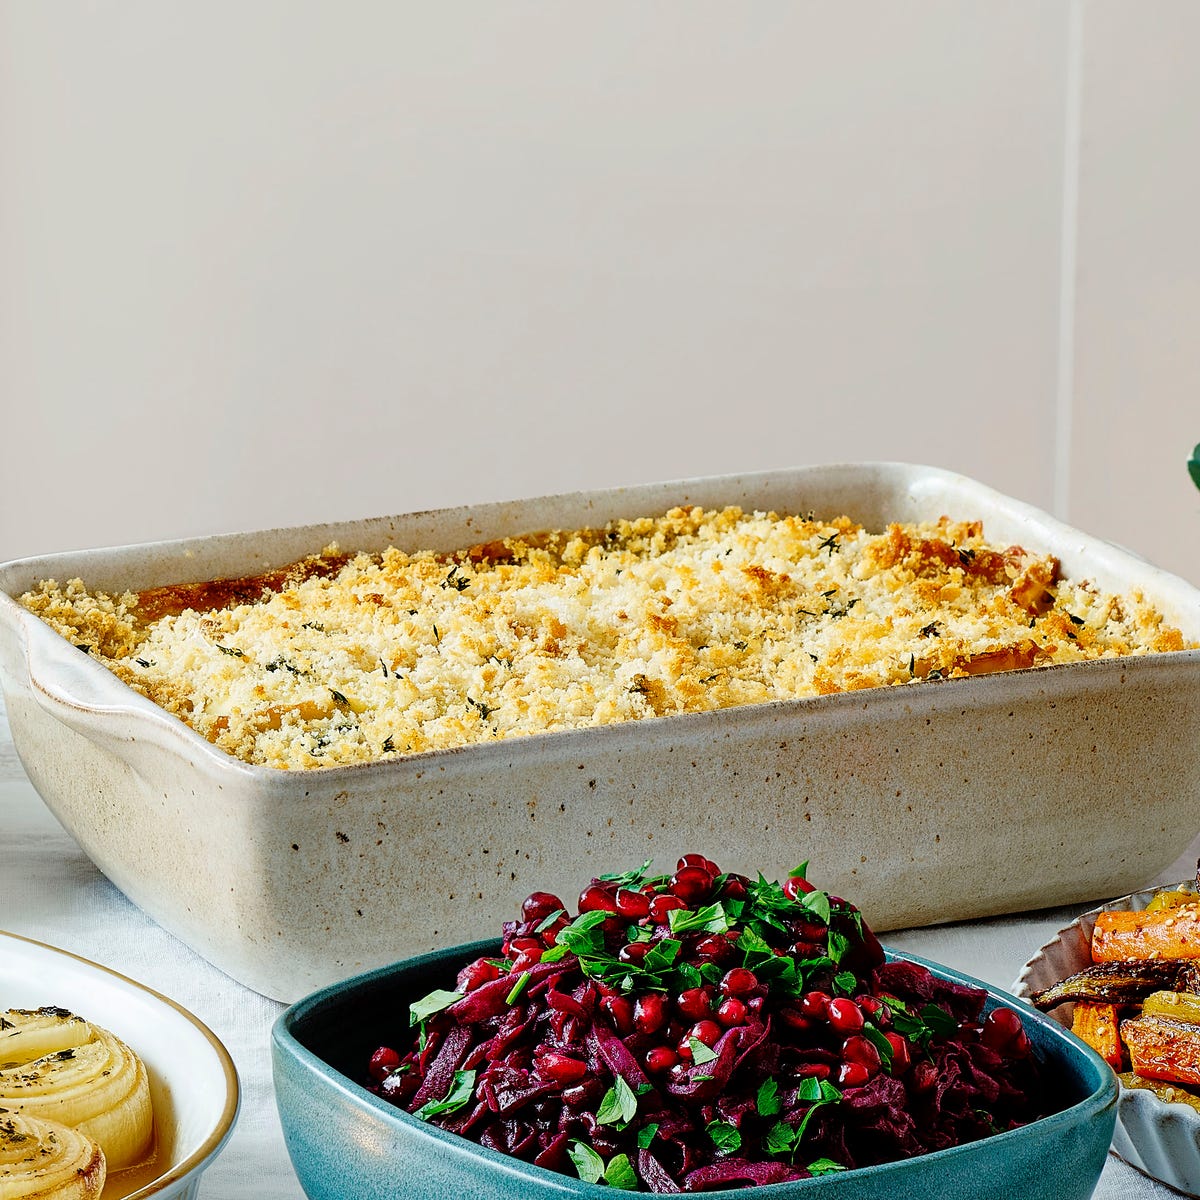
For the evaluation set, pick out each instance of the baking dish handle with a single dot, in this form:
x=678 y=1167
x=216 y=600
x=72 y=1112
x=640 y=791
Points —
x=80 y=694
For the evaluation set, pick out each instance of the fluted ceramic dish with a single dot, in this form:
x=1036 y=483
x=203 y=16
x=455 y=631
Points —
x=348 y=1144
x=1158 y=1138
x=193 y=1084
x=930 y=802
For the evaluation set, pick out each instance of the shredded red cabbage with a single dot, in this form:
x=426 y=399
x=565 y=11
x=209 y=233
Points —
x=702 y=1030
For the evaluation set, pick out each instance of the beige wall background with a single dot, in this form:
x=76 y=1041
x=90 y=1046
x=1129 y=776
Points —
x=276 y=262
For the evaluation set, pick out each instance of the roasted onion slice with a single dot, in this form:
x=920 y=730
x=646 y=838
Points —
x=55 y=1066
x=43 y=1160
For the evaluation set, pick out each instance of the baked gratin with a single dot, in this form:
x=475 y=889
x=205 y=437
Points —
x=352 y=658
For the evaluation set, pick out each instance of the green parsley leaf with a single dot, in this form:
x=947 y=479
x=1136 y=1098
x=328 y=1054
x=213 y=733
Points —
x=724 y=1136
x=781 y=1138
x=433 y=1003
x=701 y=1053
x=549 y=920
x=662 y=955
x=817 y=903
x=646 y=1135
x=627 y=879
x=824 y=1166
x=620 y=1173
x=619 y=1104
x=587 y=1162
x=711 y=918
x=769 y=1104
x=462 y=1088
x=846 y=982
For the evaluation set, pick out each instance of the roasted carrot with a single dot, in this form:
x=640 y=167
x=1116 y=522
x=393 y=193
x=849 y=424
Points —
x=1163 y=1049
x=1164 y=933
x=1097 y=1024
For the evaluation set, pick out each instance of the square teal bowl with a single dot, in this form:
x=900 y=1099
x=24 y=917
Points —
x=347 y=1143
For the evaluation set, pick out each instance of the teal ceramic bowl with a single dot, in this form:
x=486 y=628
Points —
x=347 y=1144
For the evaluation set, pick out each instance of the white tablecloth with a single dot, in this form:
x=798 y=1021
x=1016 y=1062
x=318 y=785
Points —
x=51 y=892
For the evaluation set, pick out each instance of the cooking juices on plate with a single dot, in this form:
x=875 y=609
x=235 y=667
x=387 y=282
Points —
x=703 y=1030
x=1138 y=1004
x=74 y=1106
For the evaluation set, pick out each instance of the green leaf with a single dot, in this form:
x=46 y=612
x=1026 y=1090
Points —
x=549 y=920
x=628 y=878
x=711 y=918
x=824 y=1166
x=1194 y=466
x=662 y=955
x=701 y=1053
x=587 y=1162
x=879 y=1040
x=846 y=982
x=724 y=1136
x=433 y=1003
x=619 y=1104
x=646 y=1135
x=768 y=1103
x=620 y=1173
x=781 y=1138
x=462 y=1088
x=838 y=945
x=800 y=872
x=817 y=903
x=809 y=1089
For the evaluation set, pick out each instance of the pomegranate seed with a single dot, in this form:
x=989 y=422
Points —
x=596 y=897
x=697 y=860
x=661 y=1058
x=663 y=904
x=739 y=982
x=707 y=1032
x=793 y=1018
x=733 y=889
x=814 y=1071
x=858 y=1049
x=650 y=1013
x=521 y=944
x=713 y=947
x=875 y=1010
x=525 y=960
x=633 y=905
x=634 y=952
x=477 y=973
x=901 y=1053
x=852 y=1074
x=383 y=1062
x=808 y=931
x=1000 y=1026
x=694 y=1003
x=551 y=932
x=619 y=1010
x=794 y=887
x=539 y=905
x=693 y=885
x=1020 y=1046
x=731 y=1011
x=808 y=950
x=845 y=1016
x=815 y=1005
x=559 y=1067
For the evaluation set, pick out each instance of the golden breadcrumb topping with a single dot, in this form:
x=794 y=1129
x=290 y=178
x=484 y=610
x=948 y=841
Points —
x=344 y=659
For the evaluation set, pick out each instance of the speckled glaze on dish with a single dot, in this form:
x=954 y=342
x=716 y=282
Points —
x=930 y=802
x=346 y=1143
x=193 y=1083
x=1158 y=1138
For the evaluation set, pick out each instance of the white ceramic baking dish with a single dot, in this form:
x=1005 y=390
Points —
x=922 y=803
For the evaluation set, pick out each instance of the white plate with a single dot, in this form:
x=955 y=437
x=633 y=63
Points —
x=1159 y=1139
x=193 y=1082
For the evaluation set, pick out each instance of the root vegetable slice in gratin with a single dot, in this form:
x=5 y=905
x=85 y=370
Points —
x=345 y=658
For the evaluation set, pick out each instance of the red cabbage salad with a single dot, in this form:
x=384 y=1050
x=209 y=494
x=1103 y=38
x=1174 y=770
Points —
x=705 y=1030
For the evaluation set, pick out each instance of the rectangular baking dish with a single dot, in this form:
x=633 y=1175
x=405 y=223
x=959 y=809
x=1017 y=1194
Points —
x=922 y=803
